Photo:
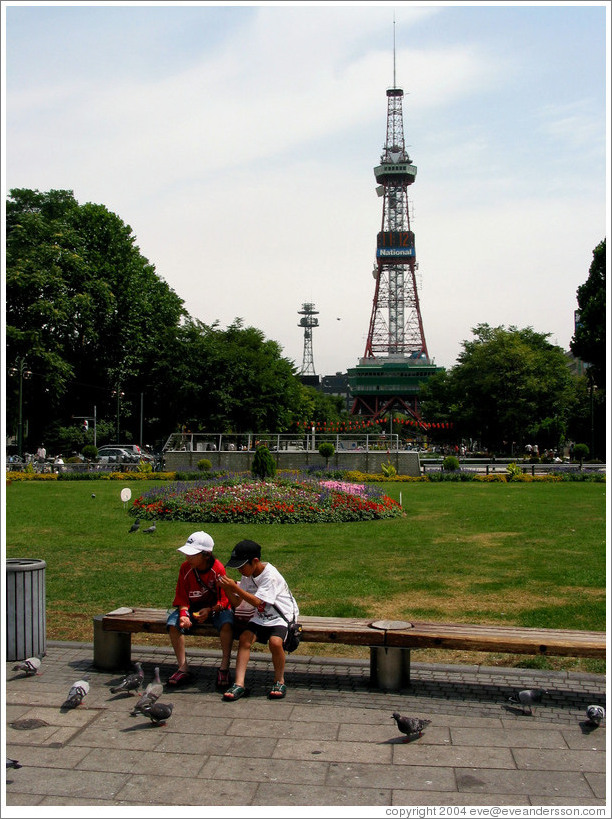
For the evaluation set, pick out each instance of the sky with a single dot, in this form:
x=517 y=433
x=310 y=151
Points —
x=239 y=141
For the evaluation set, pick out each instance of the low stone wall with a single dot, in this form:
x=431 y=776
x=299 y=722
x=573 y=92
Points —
x=406 y=463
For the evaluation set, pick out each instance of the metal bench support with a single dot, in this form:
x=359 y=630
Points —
x=112 y=650
x=389 y=668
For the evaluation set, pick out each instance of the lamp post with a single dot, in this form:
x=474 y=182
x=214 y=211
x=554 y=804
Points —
x=119 y=395
x=20 y=369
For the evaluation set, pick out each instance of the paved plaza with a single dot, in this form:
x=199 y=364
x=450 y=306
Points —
x=331 y=742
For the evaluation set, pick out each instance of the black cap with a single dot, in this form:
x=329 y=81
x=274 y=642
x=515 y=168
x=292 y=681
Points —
x=243 y=552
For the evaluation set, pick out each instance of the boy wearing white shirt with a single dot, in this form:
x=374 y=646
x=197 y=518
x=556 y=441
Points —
x=261 y=588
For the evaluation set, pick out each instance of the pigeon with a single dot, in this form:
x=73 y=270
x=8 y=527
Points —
x=411 y=726
x=135 y=526
x=151 y=694
x=12 y=763
x=93 y=494
x=528 y=698
x=78 y=690
x=149 y=530
x=595 y=714
x=158 y=712
x=30 y=666
x=131 y=682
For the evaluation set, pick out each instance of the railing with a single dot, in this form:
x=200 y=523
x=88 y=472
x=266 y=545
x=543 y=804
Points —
x=246 y=442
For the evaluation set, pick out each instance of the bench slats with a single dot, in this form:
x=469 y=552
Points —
x=359 y=632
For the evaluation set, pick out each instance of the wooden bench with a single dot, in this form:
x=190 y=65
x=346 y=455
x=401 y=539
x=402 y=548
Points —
x=390 y=641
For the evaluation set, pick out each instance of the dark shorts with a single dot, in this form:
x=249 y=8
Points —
x=217 y=618
x=262 y=633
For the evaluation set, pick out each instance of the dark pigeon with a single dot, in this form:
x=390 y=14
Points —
x=149 y=530
x=31 y=666
x=12 y=763
x=131 y=682
x=595 y=714
x=135 y=526
x=151 y=694
x=159 y=712
x=411 y=726
x=76 y=694
x=528 y=698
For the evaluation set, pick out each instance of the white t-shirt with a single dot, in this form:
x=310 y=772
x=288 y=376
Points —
x=270 y=587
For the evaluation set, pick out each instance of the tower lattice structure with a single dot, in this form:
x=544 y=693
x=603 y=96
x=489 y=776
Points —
x=396 y=361
x=396 y=326
x=308 y=321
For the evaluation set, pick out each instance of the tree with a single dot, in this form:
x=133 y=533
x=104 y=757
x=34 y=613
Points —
x=84 y=307
x=508 y=386
x=589 y=340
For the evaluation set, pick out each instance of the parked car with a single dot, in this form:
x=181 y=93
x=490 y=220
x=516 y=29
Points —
x=142 y=454
x=117 y=455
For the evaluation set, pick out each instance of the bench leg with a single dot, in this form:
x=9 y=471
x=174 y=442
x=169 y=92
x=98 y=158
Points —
x=112 y=650
x=389 y=668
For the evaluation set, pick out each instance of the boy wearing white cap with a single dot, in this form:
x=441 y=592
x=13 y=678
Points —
x=199 y=599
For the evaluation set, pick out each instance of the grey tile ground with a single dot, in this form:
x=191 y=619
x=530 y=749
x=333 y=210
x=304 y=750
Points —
x=330 y=742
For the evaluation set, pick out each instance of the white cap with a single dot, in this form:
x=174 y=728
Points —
x=196 y=543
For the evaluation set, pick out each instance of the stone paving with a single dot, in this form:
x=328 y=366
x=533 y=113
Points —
x=331 y=742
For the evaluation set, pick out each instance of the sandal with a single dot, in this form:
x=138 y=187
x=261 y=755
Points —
x=278 y=691
x=224 y=678
x=234 y=693
x=180 y=678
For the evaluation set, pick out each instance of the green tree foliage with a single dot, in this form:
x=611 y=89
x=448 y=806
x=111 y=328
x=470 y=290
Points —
x=589 y=341
x=83 y=306
x=508 y=388
x=92 y=318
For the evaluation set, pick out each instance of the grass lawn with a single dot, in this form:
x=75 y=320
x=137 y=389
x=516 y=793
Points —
x=524 y=554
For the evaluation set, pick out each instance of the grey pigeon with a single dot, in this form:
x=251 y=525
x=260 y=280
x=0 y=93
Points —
x=595 y=714
x=30 y=666
x=12 y=763
x=131 y=682
x=411 y=726
x=528 y=698
x=76 y=694
x=158 y=712
x=149 y=530
x=151 y=694
x=135 y=526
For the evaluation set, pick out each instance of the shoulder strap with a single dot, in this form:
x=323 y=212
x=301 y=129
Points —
x=274 y=606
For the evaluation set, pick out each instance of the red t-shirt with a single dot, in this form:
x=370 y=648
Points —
x=195 y=594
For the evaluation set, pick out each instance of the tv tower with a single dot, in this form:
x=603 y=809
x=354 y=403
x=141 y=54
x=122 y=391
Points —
x=396 y=360
x=308 y=322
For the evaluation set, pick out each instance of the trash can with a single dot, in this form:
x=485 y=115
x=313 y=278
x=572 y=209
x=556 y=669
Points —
x=26 y=621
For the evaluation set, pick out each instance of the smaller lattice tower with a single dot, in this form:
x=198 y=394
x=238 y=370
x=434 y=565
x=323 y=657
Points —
x=308 y=321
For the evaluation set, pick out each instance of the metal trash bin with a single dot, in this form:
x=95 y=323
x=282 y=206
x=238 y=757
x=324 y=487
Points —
x=26 y=616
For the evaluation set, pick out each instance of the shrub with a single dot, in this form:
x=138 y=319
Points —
x=388 y=470
x=514 y=471
x=451 y=463
x=204 y=465
x=581 y=451
x=90 y=452
x=263 y=465
x=326 y=450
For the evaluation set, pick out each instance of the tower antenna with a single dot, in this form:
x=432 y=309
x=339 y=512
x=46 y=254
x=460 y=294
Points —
x=308 y=322
x=394 y=84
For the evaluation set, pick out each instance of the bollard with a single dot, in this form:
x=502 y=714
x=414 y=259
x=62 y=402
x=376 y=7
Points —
x=26 y=623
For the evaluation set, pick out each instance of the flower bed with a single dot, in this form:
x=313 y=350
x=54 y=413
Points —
x=251 y=501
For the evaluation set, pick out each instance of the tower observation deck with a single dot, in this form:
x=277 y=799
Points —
x=396 y=360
